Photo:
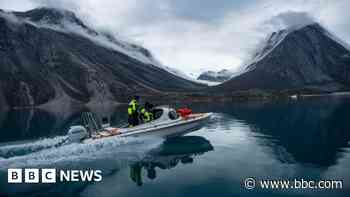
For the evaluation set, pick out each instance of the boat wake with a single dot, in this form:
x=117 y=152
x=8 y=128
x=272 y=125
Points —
x=51 y=153
x=7 y=151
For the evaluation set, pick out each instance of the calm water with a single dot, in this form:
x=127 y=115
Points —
x=307 y=139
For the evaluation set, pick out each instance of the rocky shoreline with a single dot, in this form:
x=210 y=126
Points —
x=165 y=98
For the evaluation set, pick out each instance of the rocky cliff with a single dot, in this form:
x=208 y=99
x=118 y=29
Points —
x=306 y=58
x=49 y=55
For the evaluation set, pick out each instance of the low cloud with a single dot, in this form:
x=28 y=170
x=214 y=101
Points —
x=10 y=18
x=200 y=34
x=292 y=19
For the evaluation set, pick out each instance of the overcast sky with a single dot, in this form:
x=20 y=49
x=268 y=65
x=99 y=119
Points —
x=197 y=35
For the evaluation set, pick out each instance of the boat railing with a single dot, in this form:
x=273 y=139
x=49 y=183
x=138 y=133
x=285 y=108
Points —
x=90 y=123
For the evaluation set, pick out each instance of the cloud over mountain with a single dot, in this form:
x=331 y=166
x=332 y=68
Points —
x=193 y=35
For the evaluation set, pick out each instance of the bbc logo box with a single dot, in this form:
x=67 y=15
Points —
x=14 y=175
x=31 y=175
x=48 y=175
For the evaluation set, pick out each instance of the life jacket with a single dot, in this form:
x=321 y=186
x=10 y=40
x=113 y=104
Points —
x=146 y=115
x=132 y=108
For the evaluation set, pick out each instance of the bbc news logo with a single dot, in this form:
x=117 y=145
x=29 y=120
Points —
x=32 y=175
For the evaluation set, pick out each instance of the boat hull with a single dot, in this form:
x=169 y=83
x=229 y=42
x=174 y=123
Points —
x=171 y=129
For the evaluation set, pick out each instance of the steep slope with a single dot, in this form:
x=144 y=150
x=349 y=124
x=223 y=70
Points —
x=50 y=55
x=305 y=58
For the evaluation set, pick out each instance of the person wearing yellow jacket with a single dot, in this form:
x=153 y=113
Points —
x=146 y=114
x=133 y=114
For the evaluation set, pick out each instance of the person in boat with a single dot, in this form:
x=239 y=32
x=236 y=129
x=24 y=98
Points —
x=133 y=115
x=146 y=114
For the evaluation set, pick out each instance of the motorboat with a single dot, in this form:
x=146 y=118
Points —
x=167 y=123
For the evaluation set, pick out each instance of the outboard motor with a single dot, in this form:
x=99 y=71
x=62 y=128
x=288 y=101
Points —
x=77 y=133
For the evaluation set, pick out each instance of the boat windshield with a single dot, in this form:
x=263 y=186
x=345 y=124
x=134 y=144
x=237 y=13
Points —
x=157 y=113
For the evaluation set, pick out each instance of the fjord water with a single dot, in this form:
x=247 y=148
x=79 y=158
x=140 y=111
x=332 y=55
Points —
x=305 y=139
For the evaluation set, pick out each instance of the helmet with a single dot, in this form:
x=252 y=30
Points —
x=148 y=105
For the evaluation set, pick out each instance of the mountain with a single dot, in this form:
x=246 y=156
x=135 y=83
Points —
x=308 y=58
x=213 y=76
x=50 y=56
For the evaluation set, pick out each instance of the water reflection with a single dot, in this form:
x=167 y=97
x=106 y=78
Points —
x=307 y=131
x=307 y=139
x=180 y=150
x=25 y=124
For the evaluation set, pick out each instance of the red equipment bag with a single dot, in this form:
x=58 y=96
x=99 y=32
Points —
x=184 y=112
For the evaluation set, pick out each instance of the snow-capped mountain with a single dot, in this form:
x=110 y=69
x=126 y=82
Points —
x=50 y=55
x=67 y=22
x=309 y=58
x=213 y=76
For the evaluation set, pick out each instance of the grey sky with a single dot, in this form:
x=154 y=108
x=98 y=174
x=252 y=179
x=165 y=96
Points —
x=196 y=35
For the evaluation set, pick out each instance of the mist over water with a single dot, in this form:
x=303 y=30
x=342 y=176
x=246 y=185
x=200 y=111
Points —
x=306 y=139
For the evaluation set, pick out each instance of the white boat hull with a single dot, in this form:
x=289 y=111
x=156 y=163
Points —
x=169 y=129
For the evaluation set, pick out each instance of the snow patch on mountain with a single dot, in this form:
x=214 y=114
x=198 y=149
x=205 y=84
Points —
x=213 y=76
x=66 y=22
x=132 y=50
x=208 y=83
x=287 y=22
x=268 y=45
x=265 y=48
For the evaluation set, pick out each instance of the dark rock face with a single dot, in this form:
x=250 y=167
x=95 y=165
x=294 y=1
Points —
x=39 y=64
x=307 y=58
